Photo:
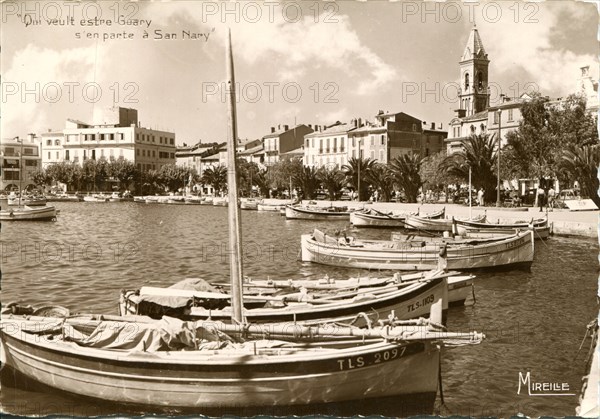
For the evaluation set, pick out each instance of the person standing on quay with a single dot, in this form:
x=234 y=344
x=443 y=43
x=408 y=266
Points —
x=551 y=198
x=480 y=197
x=541 y=194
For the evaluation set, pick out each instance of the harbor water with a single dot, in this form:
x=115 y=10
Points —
x=534 y=320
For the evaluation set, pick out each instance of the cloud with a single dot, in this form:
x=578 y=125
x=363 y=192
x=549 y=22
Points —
x=524 y=46
x=292 y=48
x=32 y=92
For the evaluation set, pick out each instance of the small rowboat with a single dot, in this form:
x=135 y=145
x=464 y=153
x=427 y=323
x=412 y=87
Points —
x=540 y=226
x=297 y=212
x=514 y=250
x=414 y=222
x=374 y=218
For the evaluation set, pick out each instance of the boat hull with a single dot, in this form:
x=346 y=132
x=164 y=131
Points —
x=404 y=303
x=31 y=214
x=414 y=222
x=317 y=214
x=515 y=250
x=360 y=219
x=224 y=381
x=540 y=227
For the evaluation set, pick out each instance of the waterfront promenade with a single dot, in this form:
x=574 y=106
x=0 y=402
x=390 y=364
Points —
x=568 y=223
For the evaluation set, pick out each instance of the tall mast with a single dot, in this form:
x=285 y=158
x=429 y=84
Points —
x=235 y=231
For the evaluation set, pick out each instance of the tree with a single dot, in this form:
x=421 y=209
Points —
x=479 y=152
x=332 y=179
x=405 y=171
x=546 y=129
x=41 y=178
x=94 y=173
x=122 y=170
x=308 y=182
x=247 y=172
x=216 y=177
x=581 y=164
x=283 y=171
x=353 y=169
x=174 y=177
x=381 y=177
x=261 y=180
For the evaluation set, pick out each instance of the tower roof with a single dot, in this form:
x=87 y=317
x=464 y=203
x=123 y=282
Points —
x=474 y=48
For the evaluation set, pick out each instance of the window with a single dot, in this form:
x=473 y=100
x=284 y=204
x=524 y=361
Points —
x=466 y=82
x=480 y=80
x=496 y=119
x=321 y=146
x=172 y=141
x=372 y=154
x=28 y=151
x=414 y=127
x=382 y=139
x=66 y=154
x=101 y=152
x=373 y=139
x=381 y=156
x=48 y=142
x=307 y=143
x=426 y=152
x=84 y=155
x=472 y=129
x=342 y=144
x=49 y=158
x=482 y=128
x=353 y=143
x=335 y=145
x=57 y=155
x=143 y=153
x=137 y=137
x=31 y=163
x=510 y=114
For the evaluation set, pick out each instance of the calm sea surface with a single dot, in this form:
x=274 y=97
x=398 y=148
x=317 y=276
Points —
x=534 y=321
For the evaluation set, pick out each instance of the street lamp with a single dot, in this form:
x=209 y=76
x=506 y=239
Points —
x=499 y=145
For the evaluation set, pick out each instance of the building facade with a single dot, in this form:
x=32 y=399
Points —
x=119 y=136
x=283 y=140
x=20 y=159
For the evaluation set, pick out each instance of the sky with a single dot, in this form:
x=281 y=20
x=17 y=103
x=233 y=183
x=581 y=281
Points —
x=309 y=62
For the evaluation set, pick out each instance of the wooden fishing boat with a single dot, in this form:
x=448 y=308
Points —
x=374 y=218
x=26 y=213
x=459 y=286
x=404 y=301
x=275 y=206
x=414 y=222
x=95 y=198
x=30 y=201
x=218 y=367
x=540 y=226
x=315 y=213
x=193 y=199
x=249 y=204
x=220 y=202
x=515 y=250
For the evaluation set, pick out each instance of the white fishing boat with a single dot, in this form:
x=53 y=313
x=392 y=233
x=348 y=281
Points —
x=414 y=222
x=374 y=218
x=316 y=213
x=193 y=199
x=460 y=287
x=514 y=250
x=217 y=368
x=30 y=201
x=96 y=198
x=25 y=213
x=540 y=226
x=272 y=205
x=249 y=204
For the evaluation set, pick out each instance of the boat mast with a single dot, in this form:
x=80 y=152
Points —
x=235 y=233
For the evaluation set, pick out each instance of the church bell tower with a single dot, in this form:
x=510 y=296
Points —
x=474 y=94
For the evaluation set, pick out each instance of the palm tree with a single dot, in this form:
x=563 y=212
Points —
x=308 y=181
x=581 y=164
x=331 y=179
x=261 y=179
x=479 y=152
x=215 y=176
x=406 y=174
x=382 y=179
x=353 y=169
